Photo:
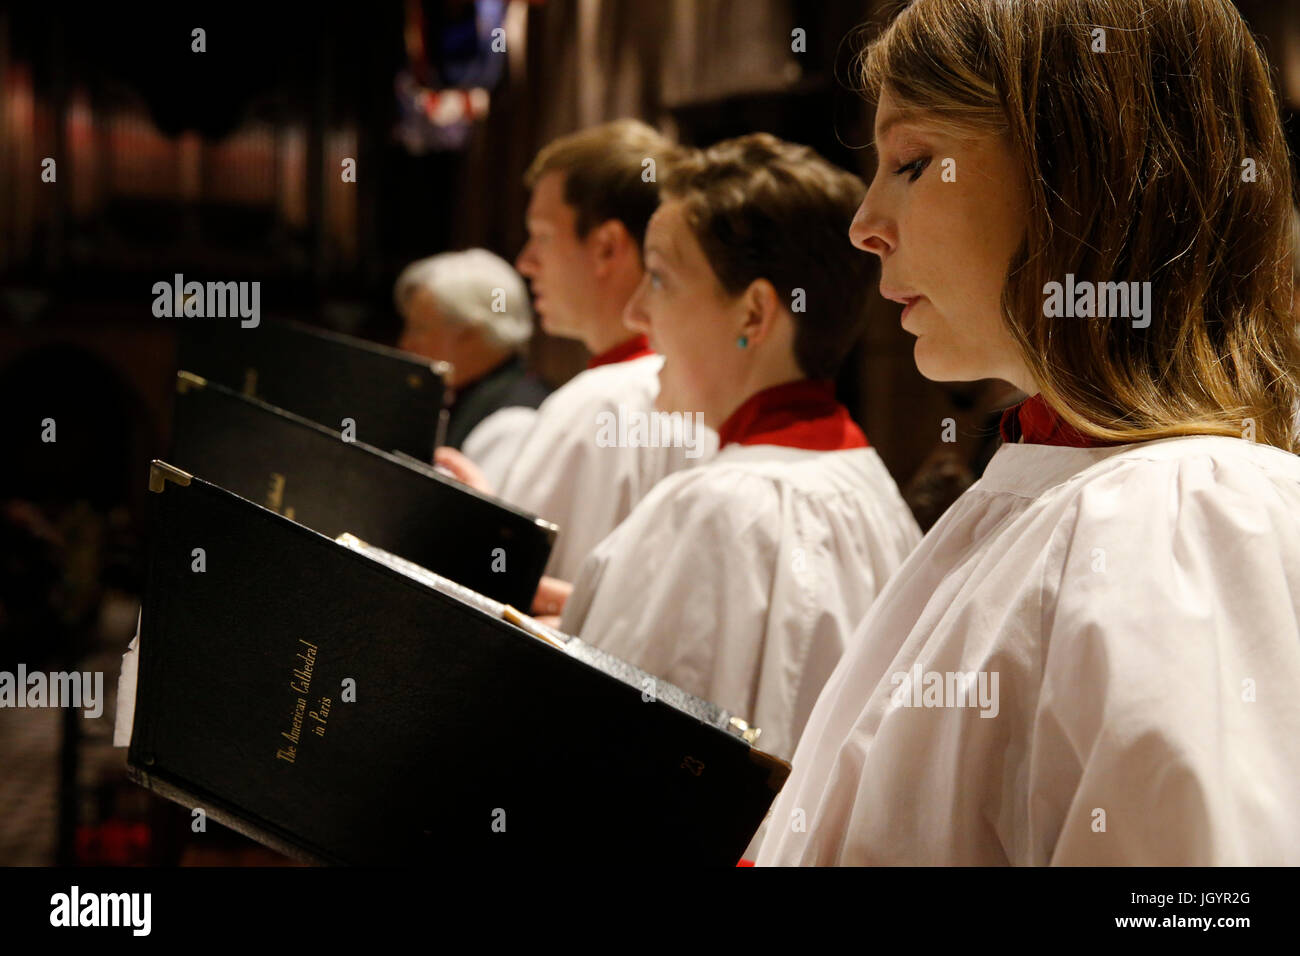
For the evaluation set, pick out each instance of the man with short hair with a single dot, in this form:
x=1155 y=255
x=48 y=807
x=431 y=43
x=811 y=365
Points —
x=593 y=193
x=471 y=309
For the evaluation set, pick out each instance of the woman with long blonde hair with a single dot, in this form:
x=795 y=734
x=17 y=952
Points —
x=1094 y=655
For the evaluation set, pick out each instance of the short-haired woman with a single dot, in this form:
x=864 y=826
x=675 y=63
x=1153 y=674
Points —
x=741 y=579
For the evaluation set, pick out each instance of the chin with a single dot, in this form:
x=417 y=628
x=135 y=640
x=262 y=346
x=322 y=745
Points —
x=548 y=324
x=941 y=365
x=556 y=320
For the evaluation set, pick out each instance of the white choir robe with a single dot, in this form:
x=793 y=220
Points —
x=740 y=581
x=493 y=443
x=562 y=473
x=1140 y=607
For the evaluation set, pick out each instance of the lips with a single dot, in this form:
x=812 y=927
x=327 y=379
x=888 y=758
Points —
x=899 y=295
x=908 y=299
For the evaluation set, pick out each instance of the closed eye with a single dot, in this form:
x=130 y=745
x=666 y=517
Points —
x=916 y=167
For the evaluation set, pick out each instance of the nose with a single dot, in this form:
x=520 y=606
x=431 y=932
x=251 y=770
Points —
x=525 y=261
x=635 y=316
x=871 y=231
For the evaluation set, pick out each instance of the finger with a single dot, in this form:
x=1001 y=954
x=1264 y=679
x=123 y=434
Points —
x=552 y=593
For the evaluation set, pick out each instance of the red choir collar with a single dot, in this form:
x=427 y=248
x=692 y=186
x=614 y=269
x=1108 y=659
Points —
x=802 y=414
x=1035 y=422
x=634 y=348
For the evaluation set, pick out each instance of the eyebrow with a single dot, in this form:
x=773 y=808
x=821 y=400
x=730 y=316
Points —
x=659 y=251
x=900 y=119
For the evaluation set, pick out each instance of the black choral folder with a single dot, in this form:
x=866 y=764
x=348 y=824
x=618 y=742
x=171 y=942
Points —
x=395 y=398
x=469 y=738
x=309 y=473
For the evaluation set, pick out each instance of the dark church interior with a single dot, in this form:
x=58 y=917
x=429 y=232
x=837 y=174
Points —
x=127 y=159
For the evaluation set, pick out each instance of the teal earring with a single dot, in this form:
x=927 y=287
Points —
x=743 y=341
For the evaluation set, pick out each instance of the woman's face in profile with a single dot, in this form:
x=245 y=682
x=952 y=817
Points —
x=945 y=213
x=689 y=318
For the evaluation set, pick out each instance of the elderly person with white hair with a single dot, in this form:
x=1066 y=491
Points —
x=471 y=309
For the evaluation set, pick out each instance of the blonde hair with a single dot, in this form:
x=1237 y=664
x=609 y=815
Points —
x=1136 y=162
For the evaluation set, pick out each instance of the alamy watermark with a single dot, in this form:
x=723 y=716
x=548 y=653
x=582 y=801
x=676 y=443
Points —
x=129 y=910
x=1089 y=300
x=638 y=428
x=212 y=300
x=946 y=689
x=60 y=689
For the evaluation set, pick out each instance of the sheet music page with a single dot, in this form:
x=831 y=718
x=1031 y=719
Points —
x=650 y=686
x=447 y=586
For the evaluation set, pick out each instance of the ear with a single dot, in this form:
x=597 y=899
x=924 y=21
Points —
x=609 y=243
x=761 y=310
